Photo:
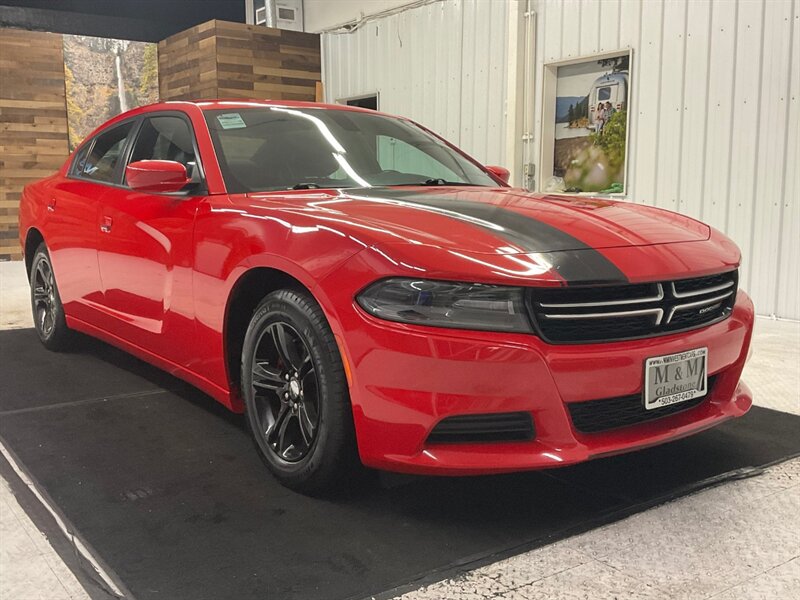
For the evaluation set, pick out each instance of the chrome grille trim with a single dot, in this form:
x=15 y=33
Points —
x=710 y=290
x=601 y=313
x=657 y=298
x=706 y=302
x=659 y=312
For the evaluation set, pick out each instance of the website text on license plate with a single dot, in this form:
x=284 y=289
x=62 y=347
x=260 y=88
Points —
x=675 y=378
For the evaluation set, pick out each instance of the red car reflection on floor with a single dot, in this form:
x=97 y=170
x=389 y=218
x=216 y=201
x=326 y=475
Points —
x=366 y=292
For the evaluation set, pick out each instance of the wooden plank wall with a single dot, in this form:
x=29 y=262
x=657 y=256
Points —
x=212 y=60
x=219 y=59
x=187 y=64
x=33 y=121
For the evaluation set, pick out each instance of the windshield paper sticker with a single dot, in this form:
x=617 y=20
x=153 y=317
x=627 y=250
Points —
x=231 y=121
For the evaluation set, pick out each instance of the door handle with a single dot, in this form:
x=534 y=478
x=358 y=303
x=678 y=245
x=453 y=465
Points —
x=106 y=225
x=51 y=206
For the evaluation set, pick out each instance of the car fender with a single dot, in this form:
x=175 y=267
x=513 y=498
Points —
x=229 y=243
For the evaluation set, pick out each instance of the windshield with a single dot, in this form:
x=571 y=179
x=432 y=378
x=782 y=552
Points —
x=277 y=148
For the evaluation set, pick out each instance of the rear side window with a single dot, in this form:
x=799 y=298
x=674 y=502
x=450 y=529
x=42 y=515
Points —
x=101 y=163
x=79 y=162
x=167 y=138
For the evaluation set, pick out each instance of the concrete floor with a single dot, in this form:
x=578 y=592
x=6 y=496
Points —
x=737 y=541
x=734 y=542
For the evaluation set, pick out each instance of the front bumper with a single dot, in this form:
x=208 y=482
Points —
x=405 y=379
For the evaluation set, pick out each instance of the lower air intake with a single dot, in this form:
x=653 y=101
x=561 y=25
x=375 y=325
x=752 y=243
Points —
x=497 y=427
x=594 y=416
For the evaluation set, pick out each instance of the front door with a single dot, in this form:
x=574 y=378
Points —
x=145 y=247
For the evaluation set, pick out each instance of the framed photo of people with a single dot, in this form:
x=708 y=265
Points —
x=586 y=124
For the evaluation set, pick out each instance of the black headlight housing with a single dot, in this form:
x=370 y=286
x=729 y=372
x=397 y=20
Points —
x=447 y=304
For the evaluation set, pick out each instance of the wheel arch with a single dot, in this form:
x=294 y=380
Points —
x=246 y=293
x=33 y=239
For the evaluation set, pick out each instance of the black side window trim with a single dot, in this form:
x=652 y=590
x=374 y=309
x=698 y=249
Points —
x=115 y=182
x=83 y=150
x=199 y=186
x=128 y=151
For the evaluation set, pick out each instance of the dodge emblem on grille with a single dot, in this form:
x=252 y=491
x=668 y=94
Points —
x=703 y=311
x=604 y=313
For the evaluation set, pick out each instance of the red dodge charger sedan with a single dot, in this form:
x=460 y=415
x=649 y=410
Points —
x=367 y=293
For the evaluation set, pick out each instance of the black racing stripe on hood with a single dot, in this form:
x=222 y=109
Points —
x=572 y=259
x=584 y=266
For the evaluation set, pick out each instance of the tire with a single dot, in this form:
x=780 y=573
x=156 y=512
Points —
x=296 y=395
x=48 y=312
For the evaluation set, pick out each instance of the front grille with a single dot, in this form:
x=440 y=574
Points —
x=594 y=416
x=584 y=314
x=497 y=427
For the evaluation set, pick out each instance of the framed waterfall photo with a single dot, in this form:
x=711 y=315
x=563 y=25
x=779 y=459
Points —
x=105 y=77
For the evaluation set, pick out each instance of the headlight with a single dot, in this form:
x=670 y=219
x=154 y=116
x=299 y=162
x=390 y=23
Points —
x=447 y=304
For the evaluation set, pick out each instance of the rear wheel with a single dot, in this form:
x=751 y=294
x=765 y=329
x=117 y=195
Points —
x=48 y=312
x=296 y=395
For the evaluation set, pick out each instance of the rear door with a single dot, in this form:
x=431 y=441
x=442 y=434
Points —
x=145 y=245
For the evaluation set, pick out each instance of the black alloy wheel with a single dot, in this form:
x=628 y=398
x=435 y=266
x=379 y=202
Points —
x=44 y=299
x=285 y=392
x=48 y=312
x=296 y=396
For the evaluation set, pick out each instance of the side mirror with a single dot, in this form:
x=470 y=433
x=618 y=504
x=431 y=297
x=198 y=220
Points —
x=501 y=173
x=156 y=176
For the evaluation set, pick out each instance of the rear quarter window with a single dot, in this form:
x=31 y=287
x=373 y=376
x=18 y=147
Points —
x=100 y=163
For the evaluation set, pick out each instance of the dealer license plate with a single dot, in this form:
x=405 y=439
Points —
x=675 y=378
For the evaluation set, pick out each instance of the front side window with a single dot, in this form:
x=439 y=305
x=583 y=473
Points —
x=166 y=138
x=274 y=148
x=101 y=163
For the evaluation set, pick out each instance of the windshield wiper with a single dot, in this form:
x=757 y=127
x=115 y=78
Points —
x=434 y=182
x=305 y=186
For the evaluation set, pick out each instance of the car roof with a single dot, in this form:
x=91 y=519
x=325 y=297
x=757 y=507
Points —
x=223 y=104
x=242 y=103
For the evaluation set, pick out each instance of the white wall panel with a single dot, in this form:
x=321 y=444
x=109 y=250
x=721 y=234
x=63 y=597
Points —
x=610 y=22
x=695 y=108
x=589 y=41
x=715 y=130
x=715 y=127
x=571 y=44
x=745 y=139
x=549 y=25
x=668 y=140
x=646 y=111
x=443 y=64
x=719 y=108
x=789 y=295
x=324 y=14
x=630 y=36
x=771 y=162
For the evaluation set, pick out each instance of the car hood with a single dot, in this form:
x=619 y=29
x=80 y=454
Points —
x=497 y=220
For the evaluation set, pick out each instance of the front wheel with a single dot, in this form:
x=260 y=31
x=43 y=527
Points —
x=296 y=395
x=48 y=312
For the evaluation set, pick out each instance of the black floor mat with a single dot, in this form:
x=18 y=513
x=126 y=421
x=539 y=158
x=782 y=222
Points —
x=166 y=486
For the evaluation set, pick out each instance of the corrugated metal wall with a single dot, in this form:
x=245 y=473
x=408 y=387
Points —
x=443 y=65
x=714 y=103
x=714 y=117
